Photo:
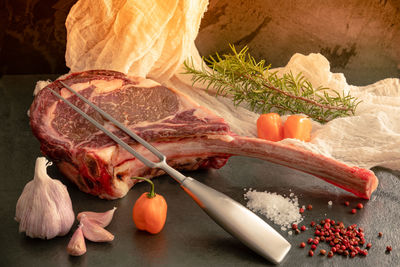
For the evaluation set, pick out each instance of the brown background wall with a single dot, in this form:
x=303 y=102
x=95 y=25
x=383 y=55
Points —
x=360 y=38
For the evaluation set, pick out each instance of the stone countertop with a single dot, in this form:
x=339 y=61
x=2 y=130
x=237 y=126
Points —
x=189 y=238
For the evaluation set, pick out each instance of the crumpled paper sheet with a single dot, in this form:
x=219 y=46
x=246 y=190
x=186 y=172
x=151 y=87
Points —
x=153 y=38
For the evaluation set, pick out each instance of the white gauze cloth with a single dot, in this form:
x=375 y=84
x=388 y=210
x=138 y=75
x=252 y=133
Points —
x=153 y=38
x=142 y=37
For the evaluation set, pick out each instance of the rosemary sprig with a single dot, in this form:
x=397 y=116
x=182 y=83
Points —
x=242 y=78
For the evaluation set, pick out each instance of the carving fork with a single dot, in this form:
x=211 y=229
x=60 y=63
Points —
x=236 y=219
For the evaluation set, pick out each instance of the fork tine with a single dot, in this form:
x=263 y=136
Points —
x=140 y=140
x=110 y=134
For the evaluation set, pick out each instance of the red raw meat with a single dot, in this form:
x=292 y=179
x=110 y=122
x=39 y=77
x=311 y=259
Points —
x=189 y=135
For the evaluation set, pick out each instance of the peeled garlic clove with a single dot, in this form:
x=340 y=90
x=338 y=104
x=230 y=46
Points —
x=101 y=218
x=77 y=246
x=44 y=209
x=94 y=232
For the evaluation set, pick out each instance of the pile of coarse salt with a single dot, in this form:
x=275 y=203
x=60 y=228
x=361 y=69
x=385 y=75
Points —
x=283 y=211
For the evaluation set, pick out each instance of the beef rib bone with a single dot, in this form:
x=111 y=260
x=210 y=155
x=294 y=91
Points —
x=190 y=135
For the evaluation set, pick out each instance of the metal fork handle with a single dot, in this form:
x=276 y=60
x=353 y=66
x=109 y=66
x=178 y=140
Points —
x=239 y=221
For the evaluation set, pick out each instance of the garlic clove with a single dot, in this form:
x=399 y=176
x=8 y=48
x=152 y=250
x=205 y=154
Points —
x=103 y=219
x=44 y=209
x=93 y=232
x=77 y=246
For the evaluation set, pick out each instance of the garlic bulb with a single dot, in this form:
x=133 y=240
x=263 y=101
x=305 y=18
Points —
x=103 y=219
x=44 y=209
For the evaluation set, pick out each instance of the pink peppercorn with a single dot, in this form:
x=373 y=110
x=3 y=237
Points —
x=310 y=253
x=353 y=211
x=344 y=240
x=294 y=226
x=303 y=228
x=346 y=203
x=360 y=206
x=301 y=210
x=389 y=248
x=302 y=244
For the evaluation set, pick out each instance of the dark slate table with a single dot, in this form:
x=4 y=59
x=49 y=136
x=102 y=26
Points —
x=189 y=238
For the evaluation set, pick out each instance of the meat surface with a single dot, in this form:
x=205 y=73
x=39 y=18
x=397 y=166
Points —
x=189 y=135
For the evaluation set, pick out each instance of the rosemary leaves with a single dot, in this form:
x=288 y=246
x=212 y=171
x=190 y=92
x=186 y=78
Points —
x=242 y=78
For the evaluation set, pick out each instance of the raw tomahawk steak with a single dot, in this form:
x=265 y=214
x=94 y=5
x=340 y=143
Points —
x=189 y=135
